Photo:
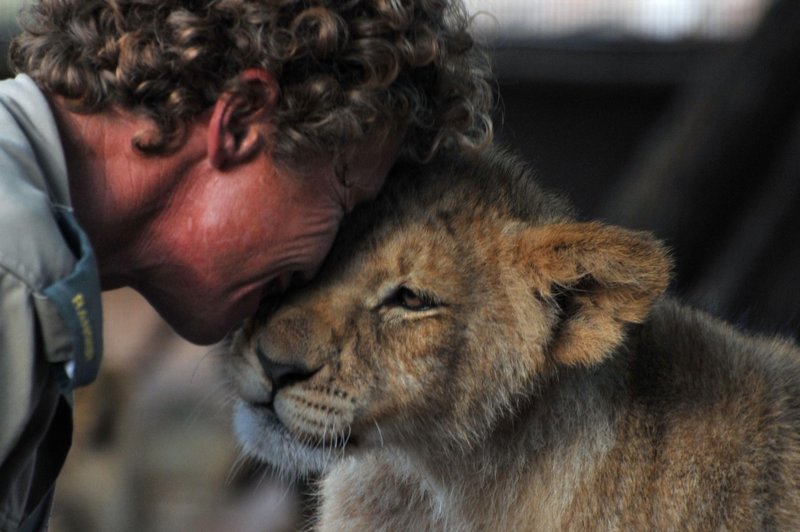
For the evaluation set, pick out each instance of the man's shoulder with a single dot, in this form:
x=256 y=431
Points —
x=32 y=183
x=32 y=246
x=30 y=144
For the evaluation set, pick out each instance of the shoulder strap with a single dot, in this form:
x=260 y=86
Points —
x=70 y=311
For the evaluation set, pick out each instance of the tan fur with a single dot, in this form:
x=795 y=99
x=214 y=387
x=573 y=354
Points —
x=475 y=359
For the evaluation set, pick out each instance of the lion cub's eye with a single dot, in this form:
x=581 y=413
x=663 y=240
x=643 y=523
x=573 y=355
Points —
x=409 y=300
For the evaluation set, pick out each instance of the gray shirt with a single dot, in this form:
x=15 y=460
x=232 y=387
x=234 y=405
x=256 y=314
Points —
x=50 y=321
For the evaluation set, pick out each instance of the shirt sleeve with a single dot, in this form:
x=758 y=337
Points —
x=35 y=418
x=17 y=359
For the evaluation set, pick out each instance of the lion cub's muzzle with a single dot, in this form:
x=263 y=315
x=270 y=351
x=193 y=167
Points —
x=281 y=374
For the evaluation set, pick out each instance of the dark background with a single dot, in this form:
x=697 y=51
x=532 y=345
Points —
x=698 y=141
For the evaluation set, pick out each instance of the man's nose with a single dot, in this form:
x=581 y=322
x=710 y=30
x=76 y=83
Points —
x=282 y=374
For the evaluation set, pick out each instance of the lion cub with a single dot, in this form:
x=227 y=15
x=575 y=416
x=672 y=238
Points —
x=472 y=358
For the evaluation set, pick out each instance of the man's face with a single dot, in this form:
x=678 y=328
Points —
x=235 y=236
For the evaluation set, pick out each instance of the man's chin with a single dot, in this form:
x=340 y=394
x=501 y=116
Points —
x=201 y=321
x=197 y=329
x=200 y=335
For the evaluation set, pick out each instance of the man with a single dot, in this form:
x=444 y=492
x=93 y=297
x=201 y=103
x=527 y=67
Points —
x=203 y=152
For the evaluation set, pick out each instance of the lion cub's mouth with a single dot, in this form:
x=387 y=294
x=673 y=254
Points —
x=327 y=440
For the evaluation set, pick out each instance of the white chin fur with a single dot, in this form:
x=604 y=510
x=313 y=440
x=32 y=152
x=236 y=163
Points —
x=266 y=438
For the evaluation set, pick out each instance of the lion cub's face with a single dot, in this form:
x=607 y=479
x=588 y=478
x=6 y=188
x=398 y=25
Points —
x=436 y=312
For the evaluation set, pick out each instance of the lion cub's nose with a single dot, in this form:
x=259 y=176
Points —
x=281 y=374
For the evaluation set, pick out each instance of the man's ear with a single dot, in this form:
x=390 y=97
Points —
x=237 y=129
x=598 y=279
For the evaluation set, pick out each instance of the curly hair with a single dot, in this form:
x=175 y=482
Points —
x=345 y=68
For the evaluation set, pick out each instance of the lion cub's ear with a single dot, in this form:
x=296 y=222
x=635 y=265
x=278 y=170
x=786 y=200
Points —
x=598 y=277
